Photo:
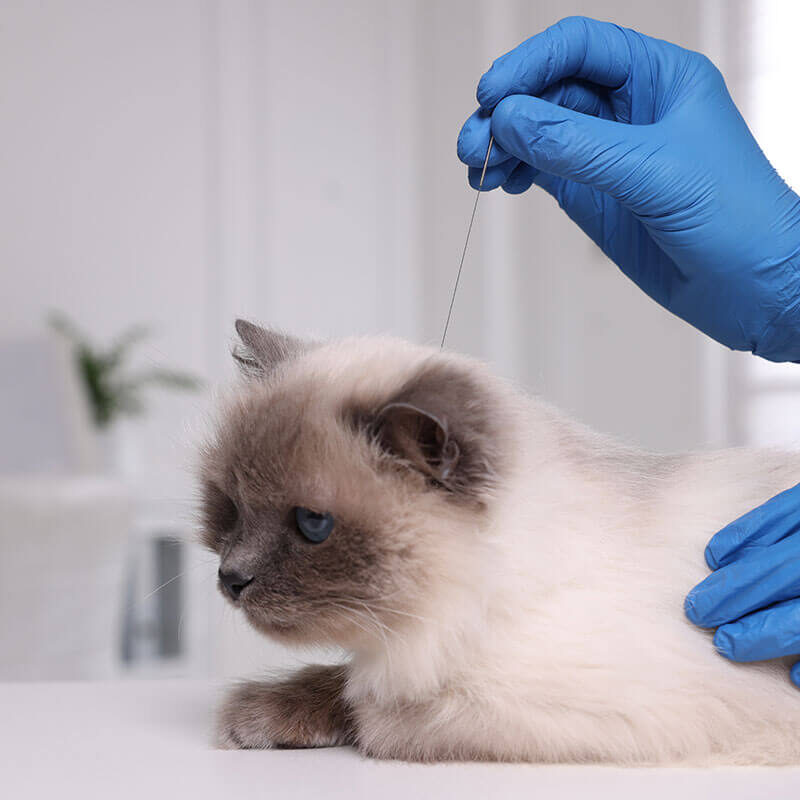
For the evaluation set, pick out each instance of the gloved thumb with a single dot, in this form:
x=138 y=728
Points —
x=566 y=143
x=795 y=674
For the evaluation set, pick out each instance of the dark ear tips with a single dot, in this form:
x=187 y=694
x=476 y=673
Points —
x=243 y=352
x=262 y=349
x=245 y=329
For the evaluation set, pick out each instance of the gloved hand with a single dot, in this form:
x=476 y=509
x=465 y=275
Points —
x=642 y=146
x=753 y=595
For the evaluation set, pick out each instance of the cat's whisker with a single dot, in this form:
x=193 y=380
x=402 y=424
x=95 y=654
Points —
x=204 y=581
x=379 y=625
x=391 y=631
x=353 y=621
x=174 y=578
x=377 y=628
x=382 y=627
x=349 y=611
x=387 y=609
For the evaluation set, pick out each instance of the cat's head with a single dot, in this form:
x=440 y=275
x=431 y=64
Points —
x=345 y=480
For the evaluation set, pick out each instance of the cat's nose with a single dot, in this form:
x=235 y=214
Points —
x=234 y=582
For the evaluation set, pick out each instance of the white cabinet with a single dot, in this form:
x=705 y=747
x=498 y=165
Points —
x=63 y=543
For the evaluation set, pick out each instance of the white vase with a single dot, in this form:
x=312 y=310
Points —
x=119 y=453
x=67 y=626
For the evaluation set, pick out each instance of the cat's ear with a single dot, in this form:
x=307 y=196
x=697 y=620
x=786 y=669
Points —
x=262 y=349
x=420 y=438
x=443 y=424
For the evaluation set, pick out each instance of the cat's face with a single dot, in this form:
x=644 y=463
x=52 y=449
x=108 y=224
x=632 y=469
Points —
x=338 y=480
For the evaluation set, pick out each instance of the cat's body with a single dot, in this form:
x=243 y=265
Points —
x=509 y=584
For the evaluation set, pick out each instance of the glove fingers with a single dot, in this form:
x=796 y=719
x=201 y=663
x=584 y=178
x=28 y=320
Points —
x=581 y=96
x=759 y=528
x=745 y=586
x=574 y=47
x=795 y=674
x=592 y=210
x=521 y=179
x=495 y=176
x=769 y=633
x=473 y=141
x=571 y=145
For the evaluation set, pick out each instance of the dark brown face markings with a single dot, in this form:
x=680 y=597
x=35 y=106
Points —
x=273 y=447
x=441 y=423
x=219 y=514
x=370 y=460
x=421 y=439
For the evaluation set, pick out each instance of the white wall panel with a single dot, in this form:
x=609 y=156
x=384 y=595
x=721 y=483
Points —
x=187 y=161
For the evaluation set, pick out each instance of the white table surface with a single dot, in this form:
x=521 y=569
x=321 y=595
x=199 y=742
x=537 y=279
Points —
x=150 y=740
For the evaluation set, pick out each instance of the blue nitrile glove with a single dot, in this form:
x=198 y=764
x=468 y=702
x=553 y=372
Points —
x=753 y=596
x=642 y=146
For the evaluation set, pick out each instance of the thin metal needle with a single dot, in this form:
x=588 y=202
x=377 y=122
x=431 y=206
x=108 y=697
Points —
x=466 y=241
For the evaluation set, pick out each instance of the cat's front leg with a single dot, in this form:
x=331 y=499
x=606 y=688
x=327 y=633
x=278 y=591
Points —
x=305 y=710
x=414 y=731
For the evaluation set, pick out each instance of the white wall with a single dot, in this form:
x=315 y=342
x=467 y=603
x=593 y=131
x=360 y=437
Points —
x=106 y=112
x=567 y=323
x=183 y=162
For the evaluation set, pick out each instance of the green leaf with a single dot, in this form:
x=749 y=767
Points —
x=62 y=324
x=110 y=394
x=173 y=379
x=123 y=344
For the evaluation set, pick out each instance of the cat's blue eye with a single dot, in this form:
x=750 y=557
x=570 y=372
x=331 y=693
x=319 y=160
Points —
x=314 y=526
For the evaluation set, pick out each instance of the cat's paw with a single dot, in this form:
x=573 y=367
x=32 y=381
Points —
x=236 y=728
x=303 y=711
x=257 y=716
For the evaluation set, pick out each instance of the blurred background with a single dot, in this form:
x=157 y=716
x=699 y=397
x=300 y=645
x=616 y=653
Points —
x=168 y=166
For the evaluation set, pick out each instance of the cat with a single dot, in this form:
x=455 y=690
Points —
x=508 y=584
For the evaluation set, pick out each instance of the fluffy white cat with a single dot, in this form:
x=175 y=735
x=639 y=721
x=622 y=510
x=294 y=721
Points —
x=509 y=584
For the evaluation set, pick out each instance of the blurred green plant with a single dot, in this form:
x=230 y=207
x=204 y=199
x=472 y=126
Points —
x=111 y=389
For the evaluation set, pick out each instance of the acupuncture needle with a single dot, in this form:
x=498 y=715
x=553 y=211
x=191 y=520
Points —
x=466 y=241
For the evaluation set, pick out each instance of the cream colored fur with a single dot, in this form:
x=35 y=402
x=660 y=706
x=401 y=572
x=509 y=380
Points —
x=552 y=628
